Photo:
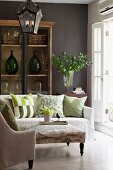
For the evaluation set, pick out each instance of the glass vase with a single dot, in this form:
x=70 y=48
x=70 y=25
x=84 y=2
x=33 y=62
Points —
x=34 y=64
x=68 y=80
x=11 y=65
x=4 y=87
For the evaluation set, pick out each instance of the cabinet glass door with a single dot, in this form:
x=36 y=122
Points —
x=11 y=49
x=37 y=62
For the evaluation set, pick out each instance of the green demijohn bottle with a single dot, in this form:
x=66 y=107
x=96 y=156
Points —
x=11 y=65
x=34 y=64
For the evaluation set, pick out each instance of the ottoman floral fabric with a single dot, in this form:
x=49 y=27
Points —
x=51 y=101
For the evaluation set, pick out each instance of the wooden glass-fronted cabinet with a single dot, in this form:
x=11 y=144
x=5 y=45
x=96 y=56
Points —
x=24 y=46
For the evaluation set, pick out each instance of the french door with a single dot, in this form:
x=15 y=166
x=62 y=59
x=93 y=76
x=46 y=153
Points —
x=102 y=70
x=109 y=67
x=98 y=71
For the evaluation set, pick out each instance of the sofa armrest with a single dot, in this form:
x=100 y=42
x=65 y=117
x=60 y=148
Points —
x=23 y=142
x=88 y=113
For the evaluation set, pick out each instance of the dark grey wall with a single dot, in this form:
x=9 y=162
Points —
x=69 y=34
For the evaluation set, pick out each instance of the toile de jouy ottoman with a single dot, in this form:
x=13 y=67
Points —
x=59 y=133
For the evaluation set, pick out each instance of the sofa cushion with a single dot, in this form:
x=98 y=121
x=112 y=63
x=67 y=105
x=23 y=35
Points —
x=23 y=106
x=8 y=115
x=51 y=101
x=73 y=106
x=8 y=101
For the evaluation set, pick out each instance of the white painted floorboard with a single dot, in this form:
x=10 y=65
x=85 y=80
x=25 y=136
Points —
x=98 y=155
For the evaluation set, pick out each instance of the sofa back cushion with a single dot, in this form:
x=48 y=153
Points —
x=8 y=115
x=23 y=106
x=51 y=101
x=6 y=100
x=73 y=106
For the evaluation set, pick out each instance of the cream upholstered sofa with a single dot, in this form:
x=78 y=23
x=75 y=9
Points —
x=85 y=124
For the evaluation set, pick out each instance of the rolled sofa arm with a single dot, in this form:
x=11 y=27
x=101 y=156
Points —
x=88 y=113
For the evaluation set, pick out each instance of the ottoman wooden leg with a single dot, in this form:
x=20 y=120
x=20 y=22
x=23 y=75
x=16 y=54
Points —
x=81 y=148
x=68 y=143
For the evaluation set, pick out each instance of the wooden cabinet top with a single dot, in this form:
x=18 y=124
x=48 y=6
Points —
x=45 y=24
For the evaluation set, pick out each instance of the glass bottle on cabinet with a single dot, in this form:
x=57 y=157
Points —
x=34 y=65
x=11 y=64
x=23 y=81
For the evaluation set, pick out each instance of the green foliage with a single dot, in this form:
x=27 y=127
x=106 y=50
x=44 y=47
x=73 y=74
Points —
x=66 y=63
x=46 y=111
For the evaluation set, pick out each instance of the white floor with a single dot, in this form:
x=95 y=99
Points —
x=98 y=155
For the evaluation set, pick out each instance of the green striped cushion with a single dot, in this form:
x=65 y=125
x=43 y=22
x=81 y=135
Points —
x=23 y=106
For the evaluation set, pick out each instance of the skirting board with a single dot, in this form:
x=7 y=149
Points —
x=104 y=128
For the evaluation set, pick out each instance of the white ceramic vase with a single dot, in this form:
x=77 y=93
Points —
x=47 y=118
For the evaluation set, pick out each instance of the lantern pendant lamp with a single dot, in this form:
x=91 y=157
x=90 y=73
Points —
x=29 y=16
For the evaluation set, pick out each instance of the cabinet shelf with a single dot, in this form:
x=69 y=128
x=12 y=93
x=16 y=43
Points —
x=37 y=75
x=10 y=45
x=29 y=75
x=11 y=75
x=18 y=45
x=35 y=92
x=37 y=46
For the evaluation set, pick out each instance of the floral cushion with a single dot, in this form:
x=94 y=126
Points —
x=51 y=101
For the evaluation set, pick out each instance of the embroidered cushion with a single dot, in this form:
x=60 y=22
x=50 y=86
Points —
x=73 y=106
x=23 y=106
x=51 y=101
